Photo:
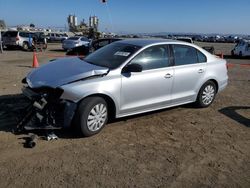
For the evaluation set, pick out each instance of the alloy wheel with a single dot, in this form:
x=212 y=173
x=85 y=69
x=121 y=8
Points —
x=97 y=117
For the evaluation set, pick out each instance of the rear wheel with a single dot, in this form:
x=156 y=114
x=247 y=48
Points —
x=206 y=94
x=25 y=46
x=91 y=116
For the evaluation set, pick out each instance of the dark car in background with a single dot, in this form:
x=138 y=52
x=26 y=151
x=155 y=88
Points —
x=94 y=45
x=185 y=39
x=102 y=42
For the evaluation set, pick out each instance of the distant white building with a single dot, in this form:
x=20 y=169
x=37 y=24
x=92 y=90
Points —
x=94 y=22
x=72 y=21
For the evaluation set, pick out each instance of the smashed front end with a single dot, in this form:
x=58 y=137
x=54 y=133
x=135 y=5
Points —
x=46 y=110
x=43 y=86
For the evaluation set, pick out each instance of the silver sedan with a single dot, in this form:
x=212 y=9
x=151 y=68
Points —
x=124 y=78
x=73 y=42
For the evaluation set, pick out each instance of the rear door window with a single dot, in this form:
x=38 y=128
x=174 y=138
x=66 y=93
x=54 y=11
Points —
x=185 y=55
x=84 y=39
x=201 y=57
x=24 y=34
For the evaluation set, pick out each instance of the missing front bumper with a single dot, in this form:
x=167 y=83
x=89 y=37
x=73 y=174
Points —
x=46 y=110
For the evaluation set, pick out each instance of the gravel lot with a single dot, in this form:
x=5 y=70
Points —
x=177 y=147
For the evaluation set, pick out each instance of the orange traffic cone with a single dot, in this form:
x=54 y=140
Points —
x=35 y=61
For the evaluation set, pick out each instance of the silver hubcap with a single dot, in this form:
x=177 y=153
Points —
x=97 y=117
x=208 y=94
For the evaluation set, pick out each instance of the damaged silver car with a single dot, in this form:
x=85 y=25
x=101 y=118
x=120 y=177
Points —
x=124 y=78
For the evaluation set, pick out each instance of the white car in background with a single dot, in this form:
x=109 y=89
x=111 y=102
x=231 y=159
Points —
x=75 y=41
x=242 y=49
x=56 y=37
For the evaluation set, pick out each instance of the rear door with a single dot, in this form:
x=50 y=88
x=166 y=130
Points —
x=151 y=88
x=189 y=71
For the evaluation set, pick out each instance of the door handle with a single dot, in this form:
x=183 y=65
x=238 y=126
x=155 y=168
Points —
x=200 y=71
x=168 y=75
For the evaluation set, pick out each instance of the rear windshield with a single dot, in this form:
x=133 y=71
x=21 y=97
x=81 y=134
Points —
x=10 y=34
x=73 y=38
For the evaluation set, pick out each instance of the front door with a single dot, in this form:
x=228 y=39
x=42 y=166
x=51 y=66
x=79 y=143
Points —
x=151 y=88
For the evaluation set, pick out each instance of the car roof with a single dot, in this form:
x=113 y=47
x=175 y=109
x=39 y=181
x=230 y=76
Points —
x=146 y=42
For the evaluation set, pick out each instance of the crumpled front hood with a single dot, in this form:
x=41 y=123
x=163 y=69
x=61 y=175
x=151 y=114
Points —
x=63 y=71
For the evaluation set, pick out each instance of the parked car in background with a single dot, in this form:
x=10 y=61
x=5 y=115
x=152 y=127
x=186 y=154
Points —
x=198 y=38
x=219 y=38
x=94 y=45
x=241 y=49
x=99 y=43
x=21 y=39
x=56 y=37
x=185 y=39
x=124 y=78
x=231 y=39
x=75 y=41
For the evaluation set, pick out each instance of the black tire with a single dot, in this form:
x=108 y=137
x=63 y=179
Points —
x=84 y=111
x=201 y=98
x=25 y=46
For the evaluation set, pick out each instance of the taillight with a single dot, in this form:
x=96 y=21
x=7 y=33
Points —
x=17 y=38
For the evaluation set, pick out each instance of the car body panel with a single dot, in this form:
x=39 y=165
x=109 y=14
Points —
x=145 y=97
x=186 y=89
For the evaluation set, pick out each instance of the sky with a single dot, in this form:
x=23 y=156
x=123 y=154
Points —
x=135 y=16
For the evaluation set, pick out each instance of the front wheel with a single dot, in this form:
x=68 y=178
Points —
x=206 y=94
x=91 y=116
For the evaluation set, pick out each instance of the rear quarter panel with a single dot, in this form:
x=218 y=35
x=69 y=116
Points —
x=217 y=70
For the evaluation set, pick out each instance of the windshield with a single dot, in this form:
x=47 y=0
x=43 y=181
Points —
x=112 y=55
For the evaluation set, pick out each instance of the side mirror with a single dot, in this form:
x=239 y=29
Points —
x=132 y=68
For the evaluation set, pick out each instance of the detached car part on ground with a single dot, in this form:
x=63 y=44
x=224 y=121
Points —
x=121 y=79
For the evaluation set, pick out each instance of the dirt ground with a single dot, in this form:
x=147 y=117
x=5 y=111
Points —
x=177 y=147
